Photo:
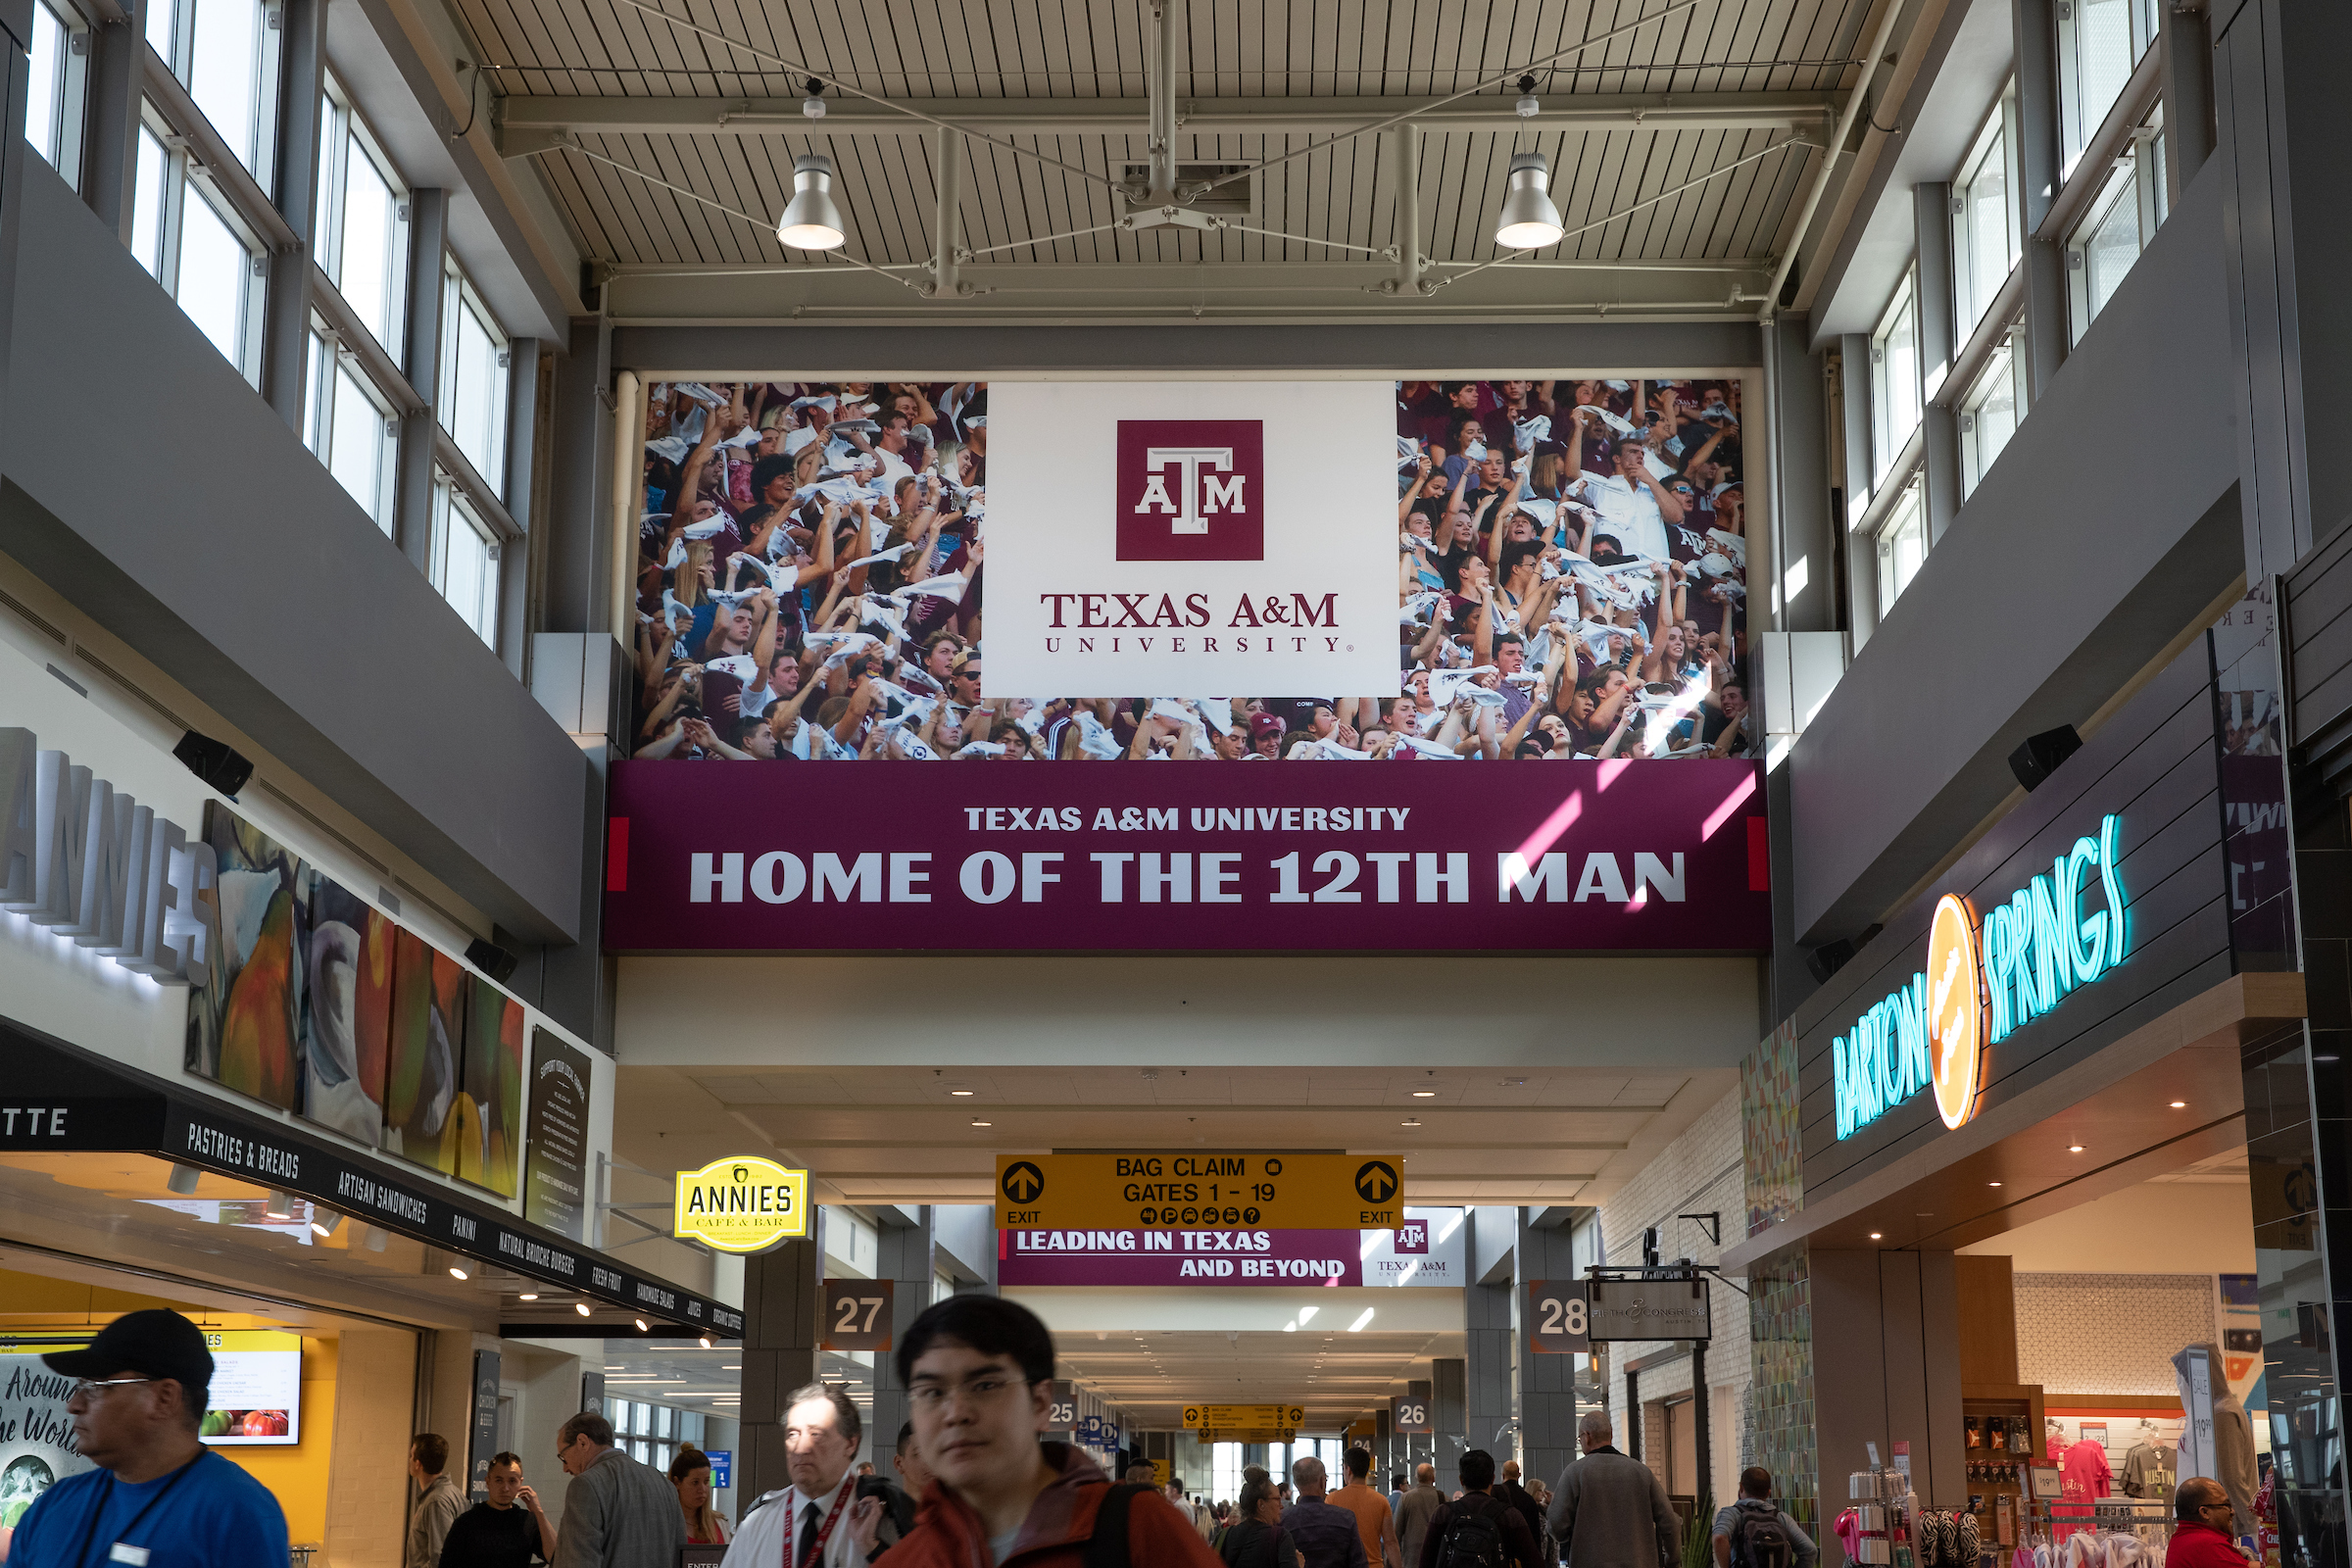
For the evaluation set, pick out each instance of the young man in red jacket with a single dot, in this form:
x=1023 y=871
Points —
x=977 y=1370
x=2201 y=1528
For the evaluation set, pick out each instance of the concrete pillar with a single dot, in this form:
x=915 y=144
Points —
x=1450 y=1414
x=2038 y=159
x=905 y=1261
x=1489 y=1401
x=782 y=1301
x=110 y=160
x=286 y=339
x=1805 y=536
x=1419 y=1445
x=412 y=505
x=1547 y=1404
x=2186 y=37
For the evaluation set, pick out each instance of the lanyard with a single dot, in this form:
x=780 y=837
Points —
x=106 y=1494
x=824 y=1531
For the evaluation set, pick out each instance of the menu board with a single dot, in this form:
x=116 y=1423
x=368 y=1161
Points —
x=256 y=1396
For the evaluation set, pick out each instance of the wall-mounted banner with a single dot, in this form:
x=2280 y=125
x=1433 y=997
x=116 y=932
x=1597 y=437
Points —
x=741 y=1205
x=1984 y=981
x=1030 y=1256
x=1577 y=856
x=37 y=1432
x=1427 y=1249
x=1164 y=537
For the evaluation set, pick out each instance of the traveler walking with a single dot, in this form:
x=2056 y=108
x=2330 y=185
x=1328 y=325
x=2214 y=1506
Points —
x=1375 y=1520
x=1755 y=1533
x=617 y=1513
x=137 y=1407
x=438 y=1500
x=1258 y=1539
x=1508 y=1490
x=509 y=1531
x=1327 y=1536
x=1478 y=1530
x=821 y=1432
x=1608 y=1510
x=977 y=1370
x=1414 y=1510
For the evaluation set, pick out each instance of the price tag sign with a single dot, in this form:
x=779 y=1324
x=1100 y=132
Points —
x=858 y=1315
x=1409 y=1415
x=1558 y=1319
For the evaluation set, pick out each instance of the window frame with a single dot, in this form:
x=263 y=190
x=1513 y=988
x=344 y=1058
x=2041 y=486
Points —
x=179 y=63
x=70 y=87
x=1886 y=443
x=182 y=173
x=2077 y=122
x=458 y=296
x=2007 y=361
x=453 y=496
x=1909 y=507
x=343 y=131
x=329 y=360
x=1999 y=134
x=2137 y=178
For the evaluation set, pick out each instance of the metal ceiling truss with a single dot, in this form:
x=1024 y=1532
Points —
x=821 y=286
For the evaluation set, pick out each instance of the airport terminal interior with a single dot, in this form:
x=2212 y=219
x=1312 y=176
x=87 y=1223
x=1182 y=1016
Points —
x=1897 y=1057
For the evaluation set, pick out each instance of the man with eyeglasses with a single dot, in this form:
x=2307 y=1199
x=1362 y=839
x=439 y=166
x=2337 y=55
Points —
x=158 y=1499
x=617 y=1513
x=830 y=1517
x=2202 y=1520
x=977 y=1371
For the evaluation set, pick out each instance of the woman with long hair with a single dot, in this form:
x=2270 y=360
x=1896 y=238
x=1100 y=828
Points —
x=690 y=1473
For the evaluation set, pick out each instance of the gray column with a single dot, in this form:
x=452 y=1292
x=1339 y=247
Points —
x=1418 y=1445
x=1703 y=1439
x=522 y=562
x=1487 y=1367
x=1801 y=521
x=413 y=508
x=1383 y=1456
x=286 y=336
x=110 y=158
x=1861 y=564
x=2038 y=159
x=1547 y=1400
x=1939 y=426
x=1448 y=1414
x=781 y=1301
x=2186 y=39
x=578 y=543
x=906 y=1261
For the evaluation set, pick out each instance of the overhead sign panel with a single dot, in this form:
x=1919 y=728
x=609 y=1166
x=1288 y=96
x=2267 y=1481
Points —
x=741 y=1205
x=1193 y=1190
x=1648 y=1309
x=1242 y=1415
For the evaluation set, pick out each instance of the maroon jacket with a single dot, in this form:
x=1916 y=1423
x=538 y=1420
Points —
x=948 y=1534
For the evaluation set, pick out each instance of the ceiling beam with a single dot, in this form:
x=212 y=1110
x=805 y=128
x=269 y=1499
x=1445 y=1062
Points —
x=528 y=125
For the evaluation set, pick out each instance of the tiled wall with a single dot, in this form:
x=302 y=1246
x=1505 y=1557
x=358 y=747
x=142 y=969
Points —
x=1779 y=1417
x=2109 y=1333
x=1769 y=1116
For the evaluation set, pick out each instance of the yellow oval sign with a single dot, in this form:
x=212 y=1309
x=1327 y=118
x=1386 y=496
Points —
x=1955 y=1010
x=741 y=1205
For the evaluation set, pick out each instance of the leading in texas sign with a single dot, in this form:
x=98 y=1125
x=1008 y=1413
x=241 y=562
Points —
x=1191 y=536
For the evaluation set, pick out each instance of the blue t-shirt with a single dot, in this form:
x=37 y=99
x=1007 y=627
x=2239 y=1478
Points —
x=210 y=1515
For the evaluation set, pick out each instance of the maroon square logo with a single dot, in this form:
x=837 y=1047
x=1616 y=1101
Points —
x=1192 y=490
x=1412 y=1237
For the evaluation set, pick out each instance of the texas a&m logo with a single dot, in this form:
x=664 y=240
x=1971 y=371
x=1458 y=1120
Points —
x=1192 y=490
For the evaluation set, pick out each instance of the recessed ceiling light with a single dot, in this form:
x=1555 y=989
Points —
x=528 y=1295
x=1992 y=1184
x=1876 y=1237
x=962 y=1094
x=2180 y=1105
x=1410 y=1121
x=1425 y=1094
x=2073 y=1149
x=977 y=1122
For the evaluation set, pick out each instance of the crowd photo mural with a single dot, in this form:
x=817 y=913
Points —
x=1569 y=562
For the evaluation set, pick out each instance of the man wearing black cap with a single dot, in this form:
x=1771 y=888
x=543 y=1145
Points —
x=159 y=1498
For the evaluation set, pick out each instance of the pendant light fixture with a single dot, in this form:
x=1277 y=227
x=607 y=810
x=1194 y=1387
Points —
x=810 y=220
x=1528 y=220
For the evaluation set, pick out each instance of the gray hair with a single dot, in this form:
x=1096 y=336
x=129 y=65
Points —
x=1307 y=1471
x=1596 y=1424
x=845 y=1413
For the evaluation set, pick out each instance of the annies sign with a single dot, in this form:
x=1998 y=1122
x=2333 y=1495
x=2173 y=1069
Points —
x=1203 y=856
x=1140 y=541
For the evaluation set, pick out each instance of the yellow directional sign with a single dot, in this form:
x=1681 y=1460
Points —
x=1242 y=1415
x=1190 y=1190
x=1215 y=1435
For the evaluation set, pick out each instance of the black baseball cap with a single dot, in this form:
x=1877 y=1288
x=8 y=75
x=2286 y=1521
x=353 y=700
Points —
x=156 y=1342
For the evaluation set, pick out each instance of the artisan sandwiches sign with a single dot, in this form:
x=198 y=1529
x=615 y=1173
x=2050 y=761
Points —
x=1191 y=536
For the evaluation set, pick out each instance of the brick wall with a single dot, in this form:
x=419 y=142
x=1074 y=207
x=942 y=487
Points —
x=375 y=1397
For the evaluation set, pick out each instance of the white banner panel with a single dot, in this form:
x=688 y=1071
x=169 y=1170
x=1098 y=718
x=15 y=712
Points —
x=1203 y=536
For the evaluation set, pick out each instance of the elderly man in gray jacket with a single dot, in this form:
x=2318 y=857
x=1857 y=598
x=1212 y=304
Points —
x=1608 y=1510
x=617 y=1513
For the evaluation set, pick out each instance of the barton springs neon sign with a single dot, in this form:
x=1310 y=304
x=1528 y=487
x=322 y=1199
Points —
x=1992 y=979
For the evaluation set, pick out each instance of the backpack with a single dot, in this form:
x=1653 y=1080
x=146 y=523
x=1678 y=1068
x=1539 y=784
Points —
x=1473 y=1538
x=1758 y=1540
x=1107 y=1548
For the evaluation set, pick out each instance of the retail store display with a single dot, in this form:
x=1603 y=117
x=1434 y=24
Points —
x=2150 y=1466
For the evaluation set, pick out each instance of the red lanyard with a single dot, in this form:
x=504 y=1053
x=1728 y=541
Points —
x=824 y=1531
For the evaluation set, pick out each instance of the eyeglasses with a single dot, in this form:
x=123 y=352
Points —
x=986 y=1389
x=86 y=1388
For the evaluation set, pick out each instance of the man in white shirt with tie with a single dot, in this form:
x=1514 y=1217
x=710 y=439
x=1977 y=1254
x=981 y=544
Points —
x=820 y=1509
